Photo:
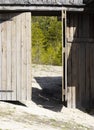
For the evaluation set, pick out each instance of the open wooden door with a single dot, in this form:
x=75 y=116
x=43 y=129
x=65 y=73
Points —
x=64 y=58
x=15 y=56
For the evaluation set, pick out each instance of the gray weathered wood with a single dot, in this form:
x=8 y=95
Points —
x=41 y=2
x=63 y=60
x=4 y=56
x=15 y=56
x=0 y=62
x=24 y=56
x=65 y=24
x=9 y=55
x=19 y=76
x=29 y=53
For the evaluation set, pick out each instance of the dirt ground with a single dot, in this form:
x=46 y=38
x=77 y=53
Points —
x=45 y=111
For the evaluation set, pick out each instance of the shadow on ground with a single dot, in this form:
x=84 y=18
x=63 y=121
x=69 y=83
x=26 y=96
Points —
x=50 y=94
x=15 y=103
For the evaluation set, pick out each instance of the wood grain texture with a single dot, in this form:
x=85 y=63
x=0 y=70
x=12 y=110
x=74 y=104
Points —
x=19 y=57
x=24 y=56
x=80 y=60
x=29 y=56
x=69 y=78
x=4 y=56
x=15 y=56
x=9 y=58
x=63 y=57
x=0 y=62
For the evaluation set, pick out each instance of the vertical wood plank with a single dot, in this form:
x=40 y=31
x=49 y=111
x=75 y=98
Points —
x=63 y=61
x=14 y=57
x=87 y=75
x=66 y=52
x=82 y=74
x=4 y=59
x=69 y=58
x=24 y=57
x=0 y=62
x=9 y=94
x=74 y=76
x=92 y=75
x=88 y=85
x=28 y=41
x=82 y=64
x=18 y=38
x=70 y=23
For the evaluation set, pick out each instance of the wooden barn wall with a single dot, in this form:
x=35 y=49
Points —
x=80 y=60
x=15 y=56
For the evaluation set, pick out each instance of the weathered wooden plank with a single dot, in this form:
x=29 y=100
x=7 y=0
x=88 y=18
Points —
x=74 y=75
x=19 y=55
x=92 y=77
x=69 y=64
x=28 y=41
x=4 y=59
x=63 y=57
x=70 y=35
x=14 y=57
x=82 y=75
x=73 y=56
x=66 y=49
x=80 y=29
x=87 y=89
x=85 y=26
x=0 y=62
x=91 y=88
x=91 y=26
x=77 y=89
x=24 y=57
x=90 y=80
x=87 y=73
x=9 y=70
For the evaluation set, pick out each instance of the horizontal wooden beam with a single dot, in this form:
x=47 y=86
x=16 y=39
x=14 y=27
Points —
x=39 y=8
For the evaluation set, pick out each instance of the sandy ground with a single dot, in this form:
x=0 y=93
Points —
x=45 y=111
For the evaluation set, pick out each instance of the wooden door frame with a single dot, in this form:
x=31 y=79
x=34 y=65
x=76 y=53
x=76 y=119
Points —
x=64 y=57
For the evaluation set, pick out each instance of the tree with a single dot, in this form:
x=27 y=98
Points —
x=46 y=35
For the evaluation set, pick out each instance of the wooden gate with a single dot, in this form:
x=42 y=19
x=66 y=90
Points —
x=80 y=60
x=15 y=56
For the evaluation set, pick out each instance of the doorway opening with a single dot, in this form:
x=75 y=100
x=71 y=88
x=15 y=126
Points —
x=47 y=62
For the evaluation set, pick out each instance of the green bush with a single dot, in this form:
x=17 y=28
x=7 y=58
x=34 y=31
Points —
x=46 y=41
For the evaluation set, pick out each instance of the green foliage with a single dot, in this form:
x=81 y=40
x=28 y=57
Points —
x=46 y=41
